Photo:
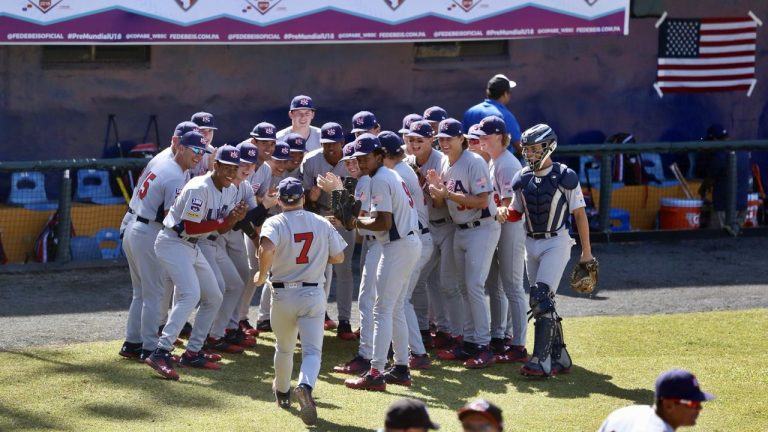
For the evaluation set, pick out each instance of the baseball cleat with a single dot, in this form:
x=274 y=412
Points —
x=356 y=366
x=497 y=345
x=238 y=337
x=558 y=369
x=144 y=355
x=329 y=323
x=160 y=361
x=247 y=328
x=532 y=369
x=455 y=353
x=482 y=359
x=221 y=345
x=307 y=407
x=283 y=399
x=393 y=376
x=130 y=350
x=419 y=361
x=211 y=356
x=344 y=331
x=426 y=339
x=442 y=340
x=367 y=382
x=264 y=326
x=197 y=360
x=513 y=354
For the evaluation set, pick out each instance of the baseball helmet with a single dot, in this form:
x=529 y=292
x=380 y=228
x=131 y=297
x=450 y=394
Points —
x=539 y=134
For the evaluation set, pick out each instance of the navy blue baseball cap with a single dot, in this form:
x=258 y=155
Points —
x=407 y=120
x=365 y=144
x=194 y=139
x=296 y=142
x=228 y=155
x=363 y=121
x=391 y=143
x=348 y=151
x=264 y=131
x=421 y=129
x=302 y=102
x=249 y=153
x=680 y=384
x=331 y=133
x=290 y=190
x=492 y=125
x=435 y=114
x=450 y=128
x=282 y=151
x=184 y=127
x=204 y=120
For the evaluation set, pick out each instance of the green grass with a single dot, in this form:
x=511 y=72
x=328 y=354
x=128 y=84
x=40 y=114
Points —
x=88 y=387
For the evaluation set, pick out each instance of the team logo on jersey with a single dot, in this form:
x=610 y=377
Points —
x=255 y=187
x=196 y=205
x=467 y=5
x=481 y=182
x=263 y=6
x=376 y=199
x=394 y=4
x=43 y=6
x=185 y=5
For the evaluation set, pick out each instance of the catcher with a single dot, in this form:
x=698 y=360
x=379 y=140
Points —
x=546 y=192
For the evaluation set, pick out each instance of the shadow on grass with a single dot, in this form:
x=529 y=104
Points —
x=119 y=412
x=17 y=419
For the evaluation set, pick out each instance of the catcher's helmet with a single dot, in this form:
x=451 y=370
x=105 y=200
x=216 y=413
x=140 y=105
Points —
x=538 y=142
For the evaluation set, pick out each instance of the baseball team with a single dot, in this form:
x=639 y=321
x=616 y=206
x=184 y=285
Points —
x=449 y=223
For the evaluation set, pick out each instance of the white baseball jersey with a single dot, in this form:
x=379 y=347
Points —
x=635 y=418
x=161 y=184
x=412 y=182
x=303 y=242
x=468 y=175
x=245 y=193
x=164 y=155
x=312 y=142
x=200 y=201
x=389 y=193
x=503 y=170
x=435 y=161
x=260 y=179
x=363 y=192
x=315 y=164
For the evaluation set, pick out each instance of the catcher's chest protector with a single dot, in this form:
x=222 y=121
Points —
x=545 y=204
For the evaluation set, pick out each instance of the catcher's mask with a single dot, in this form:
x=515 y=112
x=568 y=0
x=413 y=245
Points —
x=539 y=142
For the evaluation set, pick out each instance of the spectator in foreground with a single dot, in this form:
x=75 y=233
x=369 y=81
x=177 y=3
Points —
x=481 y=416
x=678 y=403
x=408 y=415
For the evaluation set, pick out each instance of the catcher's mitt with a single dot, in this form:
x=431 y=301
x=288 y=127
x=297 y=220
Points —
x=584 y=276
x=345 y=207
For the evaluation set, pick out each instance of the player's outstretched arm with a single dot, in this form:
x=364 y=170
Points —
x=266 y=255
x=582 y=225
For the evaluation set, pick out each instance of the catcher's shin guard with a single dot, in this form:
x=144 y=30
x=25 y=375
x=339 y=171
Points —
x=560 y=356
x=540 y=363
x=542 y=300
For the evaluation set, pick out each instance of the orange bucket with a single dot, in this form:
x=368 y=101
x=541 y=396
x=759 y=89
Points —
x=681 y=214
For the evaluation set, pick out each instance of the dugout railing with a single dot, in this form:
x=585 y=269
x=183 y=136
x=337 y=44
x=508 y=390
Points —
x=88 y=198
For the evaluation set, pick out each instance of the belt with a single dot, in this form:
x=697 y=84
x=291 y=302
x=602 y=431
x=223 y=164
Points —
x=370 y=237
x=439 y=221
x=178 y=230
x=541 y=235
x=292 y=284
x=468 y=225
x=142 y=220
x=425 y=231
x=130 y=210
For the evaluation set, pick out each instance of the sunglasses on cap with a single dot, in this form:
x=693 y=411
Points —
x=197 y=150
x=689 y=403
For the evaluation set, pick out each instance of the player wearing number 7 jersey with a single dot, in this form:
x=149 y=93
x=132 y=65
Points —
x=296 y=246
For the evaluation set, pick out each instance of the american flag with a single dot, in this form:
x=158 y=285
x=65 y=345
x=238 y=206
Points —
x=706 y=55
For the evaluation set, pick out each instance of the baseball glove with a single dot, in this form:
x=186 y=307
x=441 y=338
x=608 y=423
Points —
x=584 y=276
x=345 y=207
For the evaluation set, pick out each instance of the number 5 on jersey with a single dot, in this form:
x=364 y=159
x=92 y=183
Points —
x=145 y=186
x=305 y=238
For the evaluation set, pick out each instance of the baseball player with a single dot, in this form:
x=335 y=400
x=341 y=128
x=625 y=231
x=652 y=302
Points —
x=263 y=137
x=395 y=160
x=473 y=142
x=301 y=113
x=161 y=182
x=505 y=278
x=320 y=163
x=464 y=186
x=279 y=161
x=206 y=205
x=438 y=275
x=365 y=122
x=407 y=120
x=205 y=122
x=434 y=115
x=394 y=220
x=546 y=192
x=294 y=248
x=369 y=256
x=298 y=150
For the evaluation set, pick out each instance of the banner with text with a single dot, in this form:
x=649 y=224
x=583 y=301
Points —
x=302 y=21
